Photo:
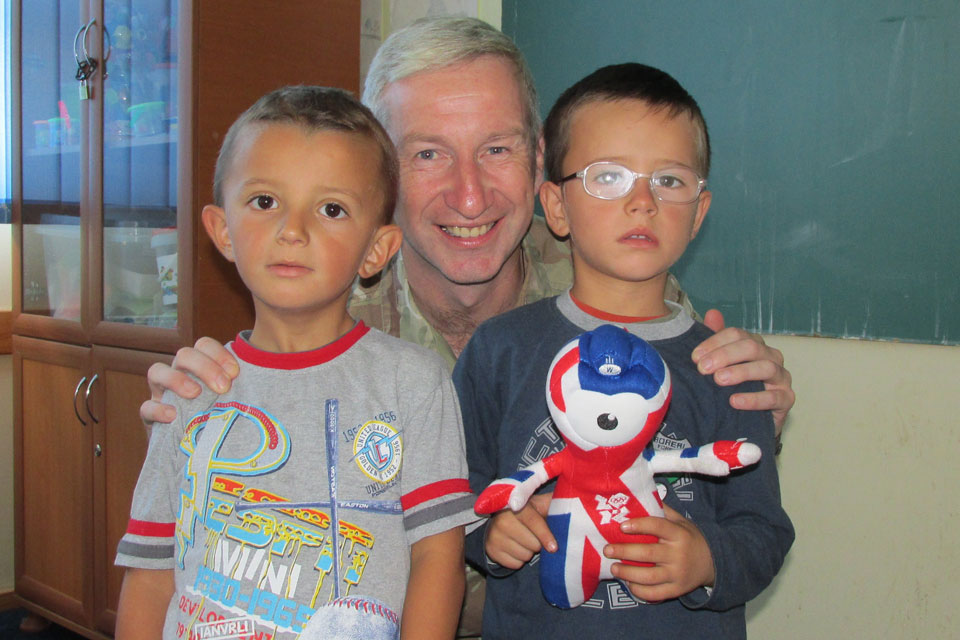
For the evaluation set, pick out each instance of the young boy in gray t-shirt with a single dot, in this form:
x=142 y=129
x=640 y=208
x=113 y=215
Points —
x=326 y=492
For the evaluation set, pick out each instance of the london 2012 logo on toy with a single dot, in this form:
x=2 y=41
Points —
x=378 y=450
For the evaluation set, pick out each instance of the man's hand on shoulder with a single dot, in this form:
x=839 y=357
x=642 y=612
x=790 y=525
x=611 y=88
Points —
x=733 y=356
x=208 y=360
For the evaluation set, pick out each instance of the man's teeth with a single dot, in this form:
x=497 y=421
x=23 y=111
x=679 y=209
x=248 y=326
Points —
x=468 y=232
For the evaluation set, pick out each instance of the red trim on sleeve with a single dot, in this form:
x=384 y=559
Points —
x=151 y=529
x=434 y=490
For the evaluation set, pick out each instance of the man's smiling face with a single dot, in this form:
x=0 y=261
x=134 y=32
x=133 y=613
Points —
x=467 y=169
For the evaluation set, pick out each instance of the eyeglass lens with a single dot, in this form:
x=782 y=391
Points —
x=611 y=181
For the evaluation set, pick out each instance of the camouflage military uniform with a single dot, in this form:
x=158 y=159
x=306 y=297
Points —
x=387 y=305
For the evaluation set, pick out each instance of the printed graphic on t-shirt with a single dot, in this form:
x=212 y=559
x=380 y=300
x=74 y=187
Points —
x=378 y=451
x=258 y=564
x=668 y=440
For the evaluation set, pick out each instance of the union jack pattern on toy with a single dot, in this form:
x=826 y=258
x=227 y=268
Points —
x=607 y=391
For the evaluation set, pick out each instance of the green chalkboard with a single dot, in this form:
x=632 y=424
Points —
x=836 y=136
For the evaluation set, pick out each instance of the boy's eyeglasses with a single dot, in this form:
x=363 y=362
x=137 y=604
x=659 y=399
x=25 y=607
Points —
x=610 y=181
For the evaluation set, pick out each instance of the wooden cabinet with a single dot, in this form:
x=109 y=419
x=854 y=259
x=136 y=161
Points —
x=81 y=442
x=54 y=478
x=110 y=173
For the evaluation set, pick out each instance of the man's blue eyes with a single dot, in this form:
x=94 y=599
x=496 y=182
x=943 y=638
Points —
x=432 y=154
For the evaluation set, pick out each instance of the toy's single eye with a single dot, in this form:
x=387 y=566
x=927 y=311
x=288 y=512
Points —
x=607 y=421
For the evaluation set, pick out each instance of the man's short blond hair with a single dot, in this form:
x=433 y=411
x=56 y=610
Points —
x=434 y=43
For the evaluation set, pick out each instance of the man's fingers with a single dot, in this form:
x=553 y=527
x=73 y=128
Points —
x=209 y=370
x=733 y=346
x=219 y=354
x=161 y=377
x=721 y=339
x=778 y=401
x=208 y=360
x=152 y=411
x=714 y=320
x=743 y=358
x=765 y=371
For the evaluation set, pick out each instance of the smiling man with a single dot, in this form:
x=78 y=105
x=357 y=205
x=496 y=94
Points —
x=470 y=168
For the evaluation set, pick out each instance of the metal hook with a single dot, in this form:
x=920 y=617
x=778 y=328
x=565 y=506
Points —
x=83 y=41
x=87 y=66
x=76 y=40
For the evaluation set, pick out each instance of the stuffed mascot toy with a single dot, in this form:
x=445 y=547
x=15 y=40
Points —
x=608 y=391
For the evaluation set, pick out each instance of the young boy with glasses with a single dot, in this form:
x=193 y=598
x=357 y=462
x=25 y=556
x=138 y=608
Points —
x=324 y=495
x=627 y=156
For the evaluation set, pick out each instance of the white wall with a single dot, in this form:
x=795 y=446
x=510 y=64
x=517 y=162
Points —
x=869 y=474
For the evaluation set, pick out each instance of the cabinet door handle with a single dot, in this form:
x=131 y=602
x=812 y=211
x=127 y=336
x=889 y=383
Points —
x=80 y=47
x=86 y=398
x=76 y=392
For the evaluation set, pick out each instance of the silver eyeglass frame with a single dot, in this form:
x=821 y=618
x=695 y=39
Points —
x=582 y=174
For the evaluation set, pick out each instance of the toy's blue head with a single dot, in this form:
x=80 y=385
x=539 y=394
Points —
x=615 y=361
x=607 y=387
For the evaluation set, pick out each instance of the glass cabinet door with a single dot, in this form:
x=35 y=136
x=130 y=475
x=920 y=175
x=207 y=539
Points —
x=53 y=168
x=140 y=162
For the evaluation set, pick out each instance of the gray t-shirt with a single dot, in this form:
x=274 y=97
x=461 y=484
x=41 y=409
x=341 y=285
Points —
x=307 y=482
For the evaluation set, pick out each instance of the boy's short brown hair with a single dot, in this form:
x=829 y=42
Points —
x=628 y=81
x=314 y=109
